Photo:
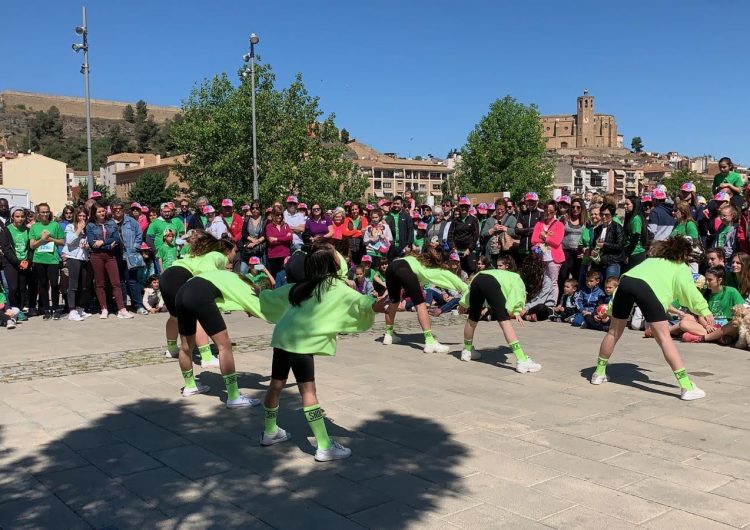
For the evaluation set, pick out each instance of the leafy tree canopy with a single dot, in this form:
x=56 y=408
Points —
x=636 y=144
x=506 y=152
x=151 y=188
x=677 y=178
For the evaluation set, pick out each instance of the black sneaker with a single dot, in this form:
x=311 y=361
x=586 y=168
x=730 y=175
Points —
x=32 y=312
x=47 y=314
x=57 y=314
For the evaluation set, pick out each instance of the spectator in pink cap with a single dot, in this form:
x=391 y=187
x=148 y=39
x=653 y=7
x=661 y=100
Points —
x=95 y=195
x=295 y=220
x=527 y=218
x=463 y=235
x=231 y=219
x=140 y=214
x=385 y=206
x=660 y=220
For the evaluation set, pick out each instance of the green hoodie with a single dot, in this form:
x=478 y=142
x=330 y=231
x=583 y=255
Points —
x=670 y=281
x=207 y=262
x=512 y=288
x=236 y=294
x=437 y=277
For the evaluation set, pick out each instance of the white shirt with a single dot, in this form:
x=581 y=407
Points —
x=218 y=228
x=298 y=219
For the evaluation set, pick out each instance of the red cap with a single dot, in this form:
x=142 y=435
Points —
x=227 y=202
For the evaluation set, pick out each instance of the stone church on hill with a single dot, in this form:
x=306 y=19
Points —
x=583 y=130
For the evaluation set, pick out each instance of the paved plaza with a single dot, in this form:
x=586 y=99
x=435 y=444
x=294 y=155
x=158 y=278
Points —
x=93 y=433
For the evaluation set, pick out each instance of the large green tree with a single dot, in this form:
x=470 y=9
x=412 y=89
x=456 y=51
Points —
x=679 y=177
x=152 y=188
x=299 y=150
x=506 y=152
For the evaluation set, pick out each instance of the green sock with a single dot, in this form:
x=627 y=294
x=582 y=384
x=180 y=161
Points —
x=189 y=378
x=172 y=347
x=468 y=343
x=205 y=352
x=314 y=416
x=684 y=379
x=230 y=381
x=389 y=329
x=515 y=347
x=428 y=338
x=269 y=421
x=601 y=365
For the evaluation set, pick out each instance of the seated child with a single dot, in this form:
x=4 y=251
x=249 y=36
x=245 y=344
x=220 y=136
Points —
x=567 y=308
x=8 y=314
x=599 y=320
x=587 y=298
x=153 y=302
x=259 y=275
x=721 y=300
x=361 y=284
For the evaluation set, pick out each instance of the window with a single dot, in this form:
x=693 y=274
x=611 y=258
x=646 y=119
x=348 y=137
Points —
x=578 y=181
x=377 y=185
x=596 y=180
x=387 y=185
x=423 y=186
x=563 y=145
x=437 y=187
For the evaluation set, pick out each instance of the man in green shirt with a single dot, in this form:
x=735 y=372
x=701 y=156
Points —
x=44 y=236
x=155 y=232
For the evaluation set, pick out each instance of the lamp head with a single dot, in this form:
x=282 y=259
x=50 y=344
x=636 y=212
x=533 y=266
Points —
x=247 y=57
x=78 y=47
x=80 y=30
x=254 y=39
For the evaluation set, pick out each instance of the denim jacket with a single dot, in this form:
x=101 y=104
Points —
x=94 y=233
x=131 y=236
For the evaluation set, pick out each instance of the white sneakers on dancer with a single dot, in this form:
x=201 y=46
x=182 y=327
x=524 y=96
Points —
x=470 y=355
x=693 y=393
x=280 y=436
x=242 y=402
x=335 y=452
x=213 y=363
x=199 y=389
x=436 y=347
x=598 y=379
x=389 y=339
x=527 y=366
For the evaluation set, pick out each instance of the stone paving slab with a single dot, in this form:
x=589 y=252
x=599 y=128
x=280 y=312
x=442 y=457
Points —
x=437 y=443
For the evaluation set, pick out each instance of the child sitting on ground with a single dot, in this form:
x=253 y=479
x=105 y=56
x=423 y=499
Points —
x=153 y=302
x=721 y=300
x=587 y=298
x=567 y=308
x=599 y=320
x=259 y=275
x=361 y=284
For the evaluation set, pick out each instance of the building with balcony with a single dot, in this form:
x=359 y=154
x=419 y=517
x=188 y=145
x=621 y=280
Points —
x=122 y=161
x=125 y=178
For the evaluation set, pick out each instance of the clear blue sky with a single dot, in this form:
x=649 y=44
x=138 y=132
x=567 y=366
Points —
x=415 y=76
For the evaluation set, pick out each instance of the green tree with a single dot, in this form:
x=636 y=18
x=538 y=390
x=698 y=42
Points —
x=128 y=114
x=151 y=188
x=636 y=144
x=344 y=136
x=163 y=143
x=83 y=192
x=145 y=133
x=677 y=178
x=506 y=152
x=299 y=150
x=118 y=142
x=141 y=112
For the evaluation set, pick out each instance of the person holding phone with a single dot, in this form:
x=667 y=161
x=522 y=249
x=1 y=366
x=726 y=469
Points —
x=259 y=274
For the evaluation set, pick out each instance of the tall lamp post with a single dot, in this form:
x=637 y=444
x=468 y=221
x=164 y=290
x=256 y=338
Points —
x=250 y=57
x=83 y=31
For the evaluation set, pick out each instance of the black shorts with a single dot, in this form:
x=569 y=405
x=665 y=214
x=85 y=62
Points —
x=400 y=276
x=170 y=282
x=196 y=302
x=485 y=288
x=635 y=291
x=302 y=366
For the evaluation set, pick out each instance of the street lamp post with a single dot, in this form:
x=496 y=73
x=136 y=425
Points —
x=83 y=31
x=251 y=58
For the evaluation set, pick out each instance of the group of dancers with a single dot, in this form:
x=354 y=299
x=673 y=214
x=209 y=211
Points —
x=310 y=313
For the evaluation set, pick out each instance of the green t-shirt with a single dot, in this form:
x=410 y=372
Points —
x=159 y=226
x=167 y=254
x=256 y=278
x=510 y=284
x=185 y=250
x=200 y=264
x=721 y=303
x=442 y=278
x=733 y=178
x=721 y=237
x=670 y=281
x=636 y=225
x=687 y=228
x=20 y=241
x=46 y=254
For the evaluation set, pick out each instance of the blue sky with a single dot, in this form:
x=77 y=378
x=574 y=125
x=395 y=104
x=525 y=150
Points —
x=416 y=76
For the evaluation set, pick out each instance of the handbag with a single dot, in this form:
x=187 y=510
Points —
x=134 y=260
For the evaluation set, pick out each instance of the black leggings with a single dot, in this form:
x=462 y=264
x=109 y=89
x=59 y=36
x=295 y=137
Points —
x=635 y=291
x=79 y=283
x=17 y=285
x=196 y=302
x=302 y=366
x=400 y=276
x=48 y=278
x=170 y=282
x=485 y=288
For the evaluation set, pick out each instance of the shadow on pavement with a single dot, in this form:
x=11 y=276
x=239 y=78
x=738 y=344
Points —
x=160 y=463
x=630 y=374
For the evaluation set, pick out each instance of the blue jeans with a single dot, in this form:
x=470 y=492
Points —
x=129 y=285
x=610 y=271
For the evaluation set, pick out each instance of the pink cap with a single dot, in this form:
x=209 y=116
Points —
x=688 y=187
x=227 y=202
x=658 y=195
x=208 y=209
x=481 y=208
x=254 y=260
x=383 y=202
x=722 y=196
x=564 y=198
x=171 y=205
x=347 y=204
x=646 y=198
x=144 y=209
x=94 y=195
x=531 y=196
x=366 y=259
x=144 y=246
x=245 y=207
x=491 y=206
x=473 y=211
x=292 y=199
x=135 y=205
x=454 y=256
x=421 y=226
x=415 y=215
x=369 y=207
x=302 y=206
x=464 y=201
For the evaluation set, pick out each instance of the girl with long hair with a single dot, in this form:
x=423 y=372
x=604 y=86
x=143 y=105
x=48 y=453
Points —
x=575 y=225
x=76 y=253
x=652 y=286
x=320 y=307
x=409 y=274
x=206 y=253
x=636 y=232
x=739 y=273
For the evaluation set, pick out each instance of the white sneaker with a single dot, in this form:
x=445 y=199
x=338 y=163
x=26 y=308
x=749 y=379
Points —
x=335 y=452
x=11 y=324
x=75 y=316
x=124 y=313
x=199 y=389
x=213 y=363
x=273 y=439
x=104 y=314
x=169 y=355
x=83 y=313
x=436 y=347
x=693 y=393
x=470 y=355
x=389 y=339
x=142 y=311
x=528 y=366
x=242 y=402
x=597 y=379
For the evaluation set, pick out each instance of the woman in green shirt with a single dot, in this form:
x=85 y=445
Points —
x=14 y=242
x=636 y=232
x=44 y=237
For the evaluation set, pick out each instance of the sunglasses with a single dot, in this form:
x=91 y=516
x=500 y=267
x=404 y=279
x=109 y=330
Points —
x=576 y=207
x=606 y=215
x=316 y=209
